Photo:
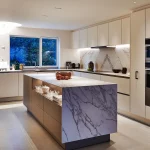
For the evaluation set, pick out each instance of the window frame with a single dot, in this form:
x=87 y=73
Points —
x=40 y=50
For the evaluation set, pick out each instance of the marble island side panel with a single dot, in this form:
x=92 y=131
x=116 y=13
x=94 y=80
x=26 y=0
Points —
x=88 y=112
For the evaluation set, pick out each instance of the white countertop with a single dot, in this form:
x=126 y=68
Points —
x=78 y=70
x=73 y=82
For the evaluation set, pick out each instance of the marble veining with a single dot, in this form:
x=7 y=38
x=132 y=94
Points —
x=107 y=58
x=88 y=112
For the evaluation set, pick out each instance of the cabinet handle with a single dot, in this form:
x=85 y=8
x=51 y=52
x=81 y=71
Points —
x=136 y=75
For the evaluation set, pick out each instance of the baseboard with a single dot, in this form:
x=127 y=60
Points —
x=134 y=117
x=11 y=99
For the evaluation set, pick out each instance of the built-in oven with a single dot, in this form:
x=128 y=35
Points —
x=147 y=87
x=147 y=72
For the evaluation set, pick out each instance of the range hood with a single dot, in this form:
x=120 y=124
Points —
x=98 y=47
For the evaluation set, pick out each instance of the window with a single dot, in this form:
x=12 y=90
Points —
x=49 y=52
x=29 y=52
x=24 y=50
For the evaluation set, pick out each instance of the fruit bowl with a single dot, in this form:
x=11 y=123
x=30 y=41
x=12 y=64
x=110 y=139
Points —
x=63 y=75
x=116 y=70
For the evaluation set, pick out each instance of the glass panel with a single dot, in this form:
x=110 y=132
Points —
x=49 y=52
x=24 y=50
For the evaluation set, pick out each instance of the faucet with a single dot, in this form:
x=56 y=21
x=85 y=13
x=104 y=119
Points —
x=35 y=64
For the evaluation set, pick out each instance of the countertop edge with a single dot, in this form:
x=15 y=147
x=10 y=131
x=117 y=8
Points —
x=77 y=70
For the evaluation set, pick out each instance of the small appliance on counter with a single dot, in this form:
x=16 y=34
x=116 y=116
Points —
x=68 y=65
x=124 y=70
x=75 y=66
x=91 y=66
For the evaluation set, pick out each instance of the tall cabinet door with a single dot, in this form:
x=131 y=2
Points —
x=126 y=30
x=75 y=39
x=83 y=38
x=138 y=63
x=148 y=23
x=103 y=35
x=92 y=36
x=115 y=33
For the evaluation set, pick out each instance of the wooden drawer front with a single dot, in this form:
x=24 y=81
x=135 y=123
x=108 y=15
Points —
x=123 y=83
x=52 y=126
x=37 y=99
x=52 y=109
x=38 y=113
x=148 y=112
x=124 y=102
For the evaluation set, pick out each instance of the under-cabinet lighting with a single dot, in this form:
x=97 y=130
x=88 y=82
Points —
x=123 y=46
x=111 y=46
x=85 y=49
x=6 y=27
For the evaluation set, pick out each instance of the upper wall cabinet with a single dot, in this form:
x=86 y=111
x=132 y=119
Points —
x=115 y=33
x=103 y=35
x=83 y=38
x=126 y=30
x=75 y=40
x=148 y=23
x=92 y=36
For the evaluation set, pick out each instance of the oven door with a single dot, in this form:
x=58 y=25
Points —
x=147 y=88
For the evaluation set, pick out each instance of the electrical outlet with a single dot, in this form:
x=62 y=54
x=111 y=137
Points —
x=3 y=47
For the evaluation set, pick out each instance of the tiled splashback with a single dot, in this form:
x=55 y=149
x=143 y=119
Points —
x=106 y=58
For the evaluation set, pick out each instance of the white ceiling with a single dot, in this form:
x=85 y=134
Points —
x=73 y=15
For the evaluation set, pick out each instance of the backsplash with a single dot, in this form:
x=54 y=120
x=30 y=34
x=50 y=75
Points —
x=106 y=58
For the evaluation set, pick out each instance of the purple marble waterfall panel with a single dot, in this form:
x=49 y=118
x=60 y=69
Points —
x=88 y=112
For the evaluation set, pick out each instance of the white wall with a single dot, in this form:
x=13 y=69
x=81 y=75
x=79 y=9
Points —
x=66 y=53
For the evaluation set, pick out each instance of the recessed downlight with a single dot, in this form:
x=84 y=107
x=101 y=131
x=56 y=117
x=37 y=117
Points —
x=134 y=2
x=58 y=8
x=46 y=16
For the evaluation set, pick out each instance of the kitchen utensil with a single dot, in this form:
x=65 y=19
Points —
x=90 y=66
x=45 y=89
x=116 y=70
x=124 y=70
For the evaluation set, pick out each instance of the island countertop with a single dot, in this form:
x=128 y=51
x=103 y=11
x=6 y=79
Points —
x=73 y=82
x=87 y=116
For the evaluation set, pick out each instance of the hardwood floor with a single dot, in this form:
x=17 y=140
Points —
x=20 y=131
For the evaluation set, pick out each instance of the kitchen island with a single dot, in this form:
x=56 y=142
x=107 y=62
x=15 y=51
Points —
x=86 y=116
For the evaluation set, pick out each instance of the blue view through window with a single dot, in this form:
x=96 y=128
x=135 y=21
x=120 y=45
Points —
x=24 y=50
x=49 y=52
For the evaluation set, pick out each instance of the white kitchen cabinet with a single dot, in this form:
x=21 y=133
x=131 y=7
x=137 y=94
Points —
x=103 y=35
x=115 y=33
x=126 y=30
x=76 y=73
x=20 y=75
x=90 y=76
x=92 y=36
x=84 y=38
x=75 y=40
x=124 y=102
x=138 y=63
x=8 y=85
x=123 y=83
x=147 y=112
x=148 y=23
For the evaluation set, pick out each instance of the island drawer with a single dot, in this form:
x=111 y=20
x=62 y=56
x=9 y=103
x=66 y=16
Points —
x=37 y=99
x=123 y=83
x=38 y=113
x=53 y=127
x=53 y=109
